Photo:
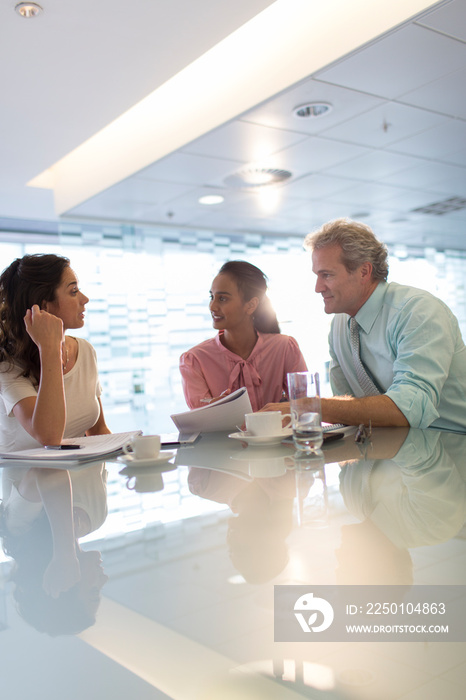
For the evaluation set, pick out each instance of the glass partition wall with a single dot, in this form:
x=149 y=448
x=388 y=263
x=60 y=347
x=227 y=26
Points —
x=149 y=292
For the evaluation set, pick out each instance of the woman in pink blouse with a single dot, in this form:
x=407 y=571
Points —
x=249 y=349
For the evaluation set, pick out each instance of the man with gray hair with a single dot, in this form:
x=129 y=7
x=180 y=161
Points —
x=397 y=355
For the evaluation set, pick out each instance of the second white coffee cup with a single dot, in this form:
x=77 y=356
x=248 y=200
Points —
x=143 y=447
x=266 y=423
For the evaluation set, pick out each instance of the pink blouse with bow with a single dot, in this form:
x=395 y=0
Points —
x=209 y=368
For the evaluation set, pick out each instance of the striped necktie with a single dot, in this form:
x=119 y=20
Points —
x=366 y=383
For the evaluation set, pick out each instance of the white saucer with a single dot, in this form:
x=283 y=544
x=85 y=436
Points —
x=261 y=439
x=130 y=461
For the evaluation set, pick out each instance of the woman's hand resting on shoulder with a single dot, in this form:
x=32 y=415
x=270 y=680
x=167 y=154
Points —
x=43 y=328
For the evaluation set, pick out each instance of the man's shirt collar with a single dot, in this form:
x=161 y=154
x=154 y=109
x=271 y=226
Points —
x=369 y=311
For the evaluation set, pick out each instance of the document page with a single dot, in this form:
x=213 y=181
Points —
x=90 y=448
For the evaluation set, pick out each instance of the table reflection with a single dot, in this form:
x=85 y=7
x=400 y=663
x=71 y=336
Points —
x=195 y=547
x=418 y=498
x=43 y=515
x=263 y=518
x=406 y=488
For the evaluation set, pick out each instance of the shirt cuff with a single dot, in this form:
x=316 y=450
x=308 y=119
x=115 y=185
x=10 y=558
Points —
x=414 y=404
x=417 y=449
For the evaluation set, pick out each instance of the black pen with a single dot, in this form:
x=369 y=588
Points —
x=62 y=447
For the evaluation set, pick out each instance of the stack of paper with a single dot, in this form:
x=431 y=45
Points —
x=225 y=414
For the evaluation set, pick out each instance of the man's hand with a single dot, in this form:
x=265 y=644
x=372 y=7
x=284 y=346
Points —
x=283 y=407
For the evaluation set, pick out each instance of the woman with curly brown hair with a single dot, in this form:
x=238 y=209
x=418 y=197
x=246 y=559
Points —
x=49 y=385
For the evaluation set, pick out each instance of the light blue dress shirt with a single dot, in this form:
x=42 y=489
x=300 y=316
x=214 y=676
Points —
x=411 y=345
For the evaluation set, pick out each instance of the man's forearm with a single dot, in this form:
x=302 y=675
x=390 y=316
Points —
x=380 y=410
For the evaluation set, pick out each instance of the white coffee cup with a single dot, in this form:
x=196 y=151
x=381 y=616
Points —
x=143 y=447
x=266 y=423
x=145 y=483
x=267 y=467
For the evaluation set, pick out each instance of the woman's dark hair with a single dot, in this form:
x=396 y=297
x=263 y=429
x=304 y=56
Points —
x=252 y=282
x=32 y=279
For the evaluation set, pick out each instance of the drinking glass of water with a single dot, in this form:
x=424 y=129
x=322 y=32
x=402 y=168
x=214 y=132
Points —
x=305 y=409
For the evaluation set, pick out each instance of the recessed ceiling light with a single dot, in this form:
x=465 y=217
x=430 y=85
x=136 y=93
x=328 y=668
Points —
x=28 y=9
x=257 y=177
x=211 y=199
x=312 y=110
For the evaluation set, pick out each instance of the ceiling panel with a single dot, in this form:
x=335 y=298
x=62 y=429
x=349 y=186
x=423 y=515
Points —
x=187 y=167
x=430 y=175
x=131 y=199
x=243 y=142
x=314 y=154
x=401 y=62
x=408 y=199
x=312 y=186
x=444 y=96
x=116 y=210
x=373 y=165
x=311 y=214
x=439 y=143
x=384 y=125
x=236 y=221
x=458 y=157
x=369 y=194
x=146 y=191
x=278 y=112
x=189 y=201
x=450 y=19
x=454 y=185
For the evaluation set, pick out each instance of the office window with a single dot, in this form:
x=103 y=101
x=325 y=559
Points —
x=149 y=291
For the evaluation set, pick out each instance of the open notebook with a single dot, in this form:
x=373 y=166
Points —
x=90 y=449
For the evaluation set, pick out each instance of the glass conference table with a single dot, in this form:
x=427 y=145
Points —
x=175 y=584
